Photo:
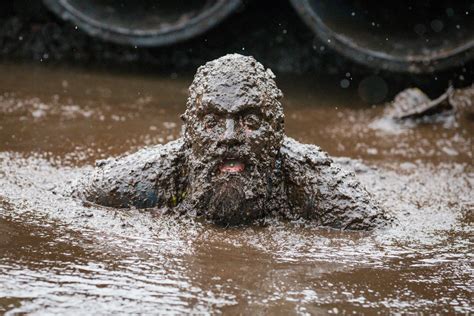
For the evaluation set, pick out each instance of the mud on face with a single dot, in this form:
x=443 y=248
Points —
x=233 y=132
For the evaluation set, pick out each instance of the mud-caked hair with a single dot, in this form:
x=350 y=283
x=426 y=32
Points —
x=257 y=87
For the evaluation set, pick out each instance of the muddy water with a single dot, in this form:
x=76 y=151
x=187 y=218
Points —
x=59 y=256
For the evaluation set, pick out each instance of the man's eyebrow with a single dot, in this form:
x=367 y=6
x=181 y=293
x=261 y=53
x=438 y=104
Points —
x=245 y=109
x=210 y=108
x=249 y=110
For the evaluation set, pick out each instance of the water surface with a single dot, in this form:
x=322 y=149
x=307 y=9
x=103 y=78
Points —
x=60 y=256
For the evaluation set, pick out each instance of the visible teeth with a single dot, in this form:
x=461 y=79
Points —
x=232 y=166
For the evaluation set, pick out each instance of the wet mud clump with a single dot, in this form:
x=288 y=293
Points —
x=234 y=164
x=412 y=103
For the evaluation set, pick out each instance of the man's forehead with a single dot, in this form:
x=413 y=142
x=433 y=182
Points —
x=228 y=105
x=231 y=99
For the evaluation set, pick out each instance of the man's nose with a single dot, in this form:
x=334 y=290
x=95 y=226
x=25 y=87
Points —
x=230 y=132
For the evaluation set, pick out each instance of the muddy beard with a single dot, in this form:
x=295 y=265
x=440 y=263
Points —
x=227 y=199
x=230 y=205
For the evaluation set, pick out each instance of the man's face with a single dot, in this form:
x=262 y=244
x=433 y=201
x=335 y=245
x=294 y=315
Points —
x=236 y=136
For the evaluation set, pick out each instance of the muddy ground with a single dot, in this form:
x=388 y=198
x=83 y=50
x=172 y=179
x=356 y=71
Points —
x=59 y=256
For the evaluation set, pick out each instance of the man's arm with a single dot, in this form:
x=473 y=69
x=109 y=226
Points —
x=320 y=189
x=144 y=179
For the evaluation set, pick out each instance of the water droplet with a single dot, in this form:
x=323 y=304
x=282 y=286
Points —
x=345 y=83
x=420 y=29
x=437 y=25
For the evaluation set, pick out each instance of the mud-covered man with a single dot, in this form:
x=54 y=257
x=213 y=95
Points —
x=234 y=164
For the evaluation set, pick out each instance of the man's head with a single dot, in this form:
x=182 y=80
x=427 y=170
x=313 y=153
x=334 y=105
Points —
x=233 y=130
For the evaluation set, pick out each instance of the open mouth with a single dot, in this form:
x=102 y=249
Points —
x=232 y=166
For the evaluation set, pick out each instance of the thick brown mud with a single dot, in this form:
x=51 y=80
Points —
x=60 y=256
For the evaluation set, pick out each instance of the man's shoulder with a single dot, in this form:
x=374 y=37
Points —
x=145 y=178
x=323 y=189
x=294 y=152
x=160 y=156
x=309 y=166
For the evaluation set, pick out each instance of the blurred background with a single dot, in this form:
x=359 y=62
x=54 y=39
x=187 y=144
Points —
x=404 y=43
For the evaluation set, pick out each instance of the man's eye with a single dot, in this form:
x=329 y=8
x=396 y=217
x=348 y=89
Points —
x=210 y=121
x=252 y=121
